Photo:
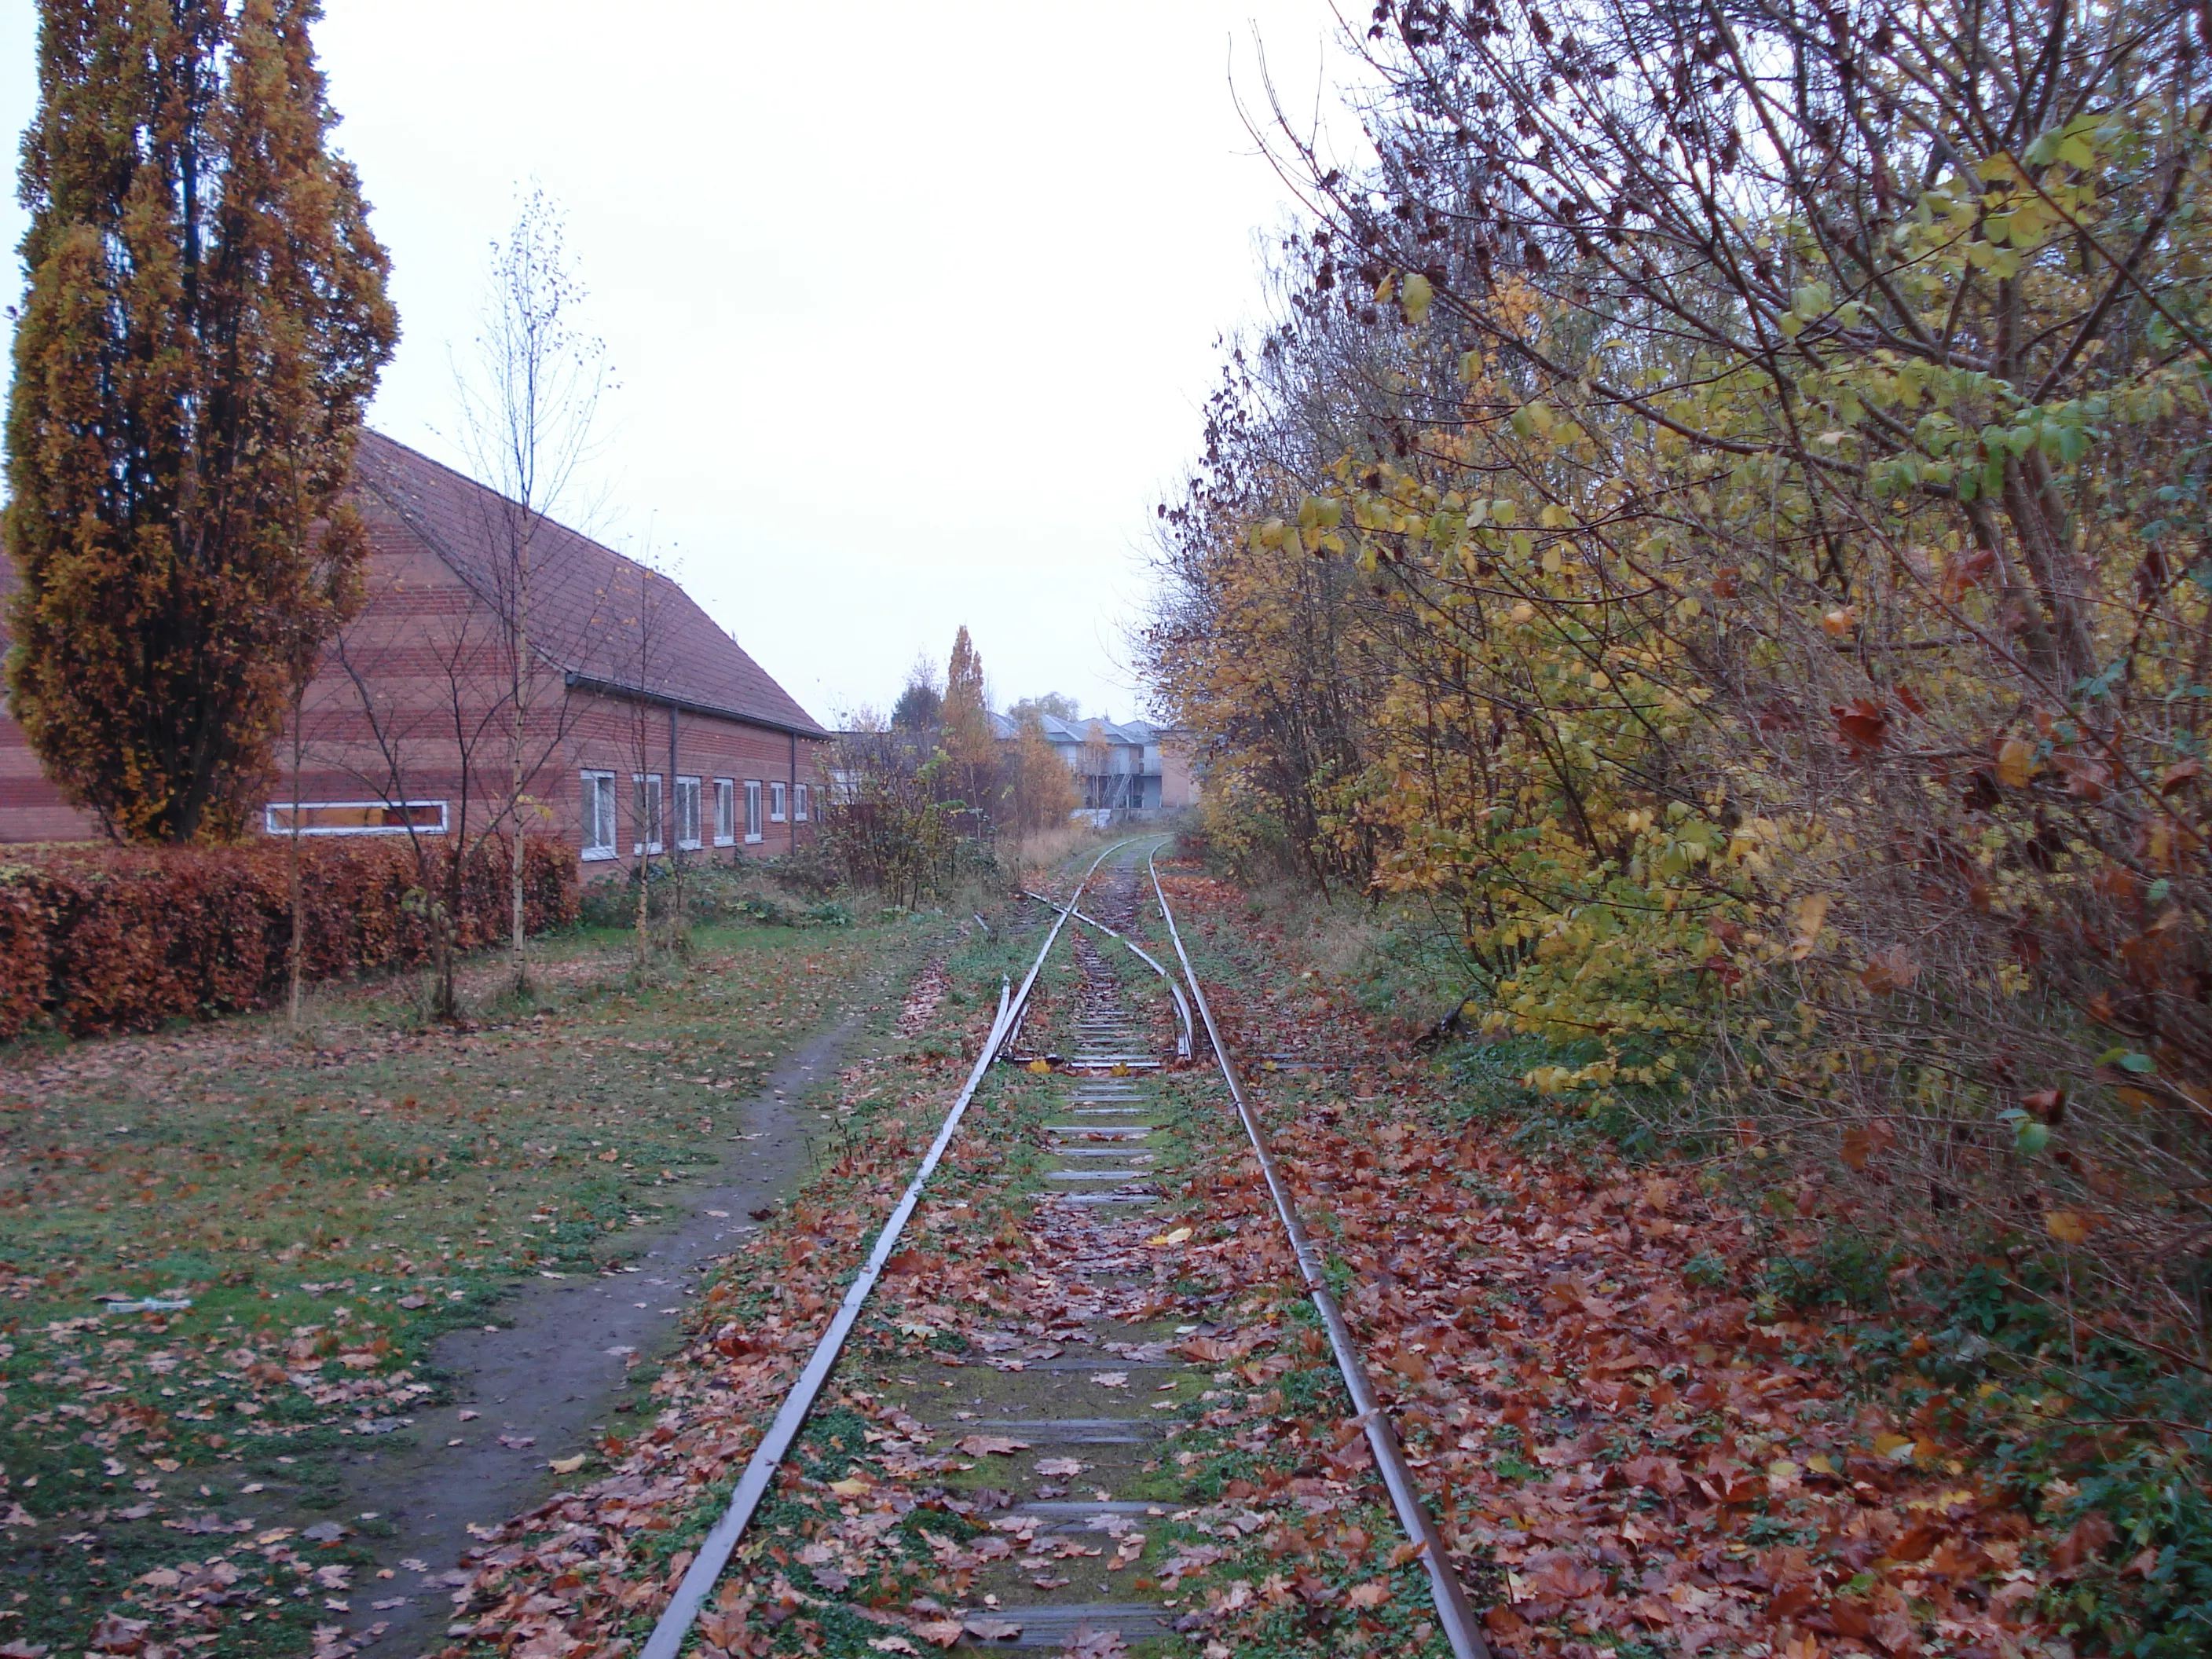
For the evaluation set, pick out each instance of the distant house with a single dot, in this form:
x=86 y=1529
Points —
x=1123 y=768
x=645 y=730
x=1179 y=782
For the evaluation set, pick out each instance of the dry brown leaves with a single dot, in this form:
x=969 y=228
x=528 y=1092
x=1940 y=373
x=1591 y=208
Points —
x=1636 y=1454
x=921 y=1001
x=885 y=1543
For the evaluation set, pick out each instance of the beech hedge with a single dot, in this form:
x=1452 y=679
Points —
x=96 y=939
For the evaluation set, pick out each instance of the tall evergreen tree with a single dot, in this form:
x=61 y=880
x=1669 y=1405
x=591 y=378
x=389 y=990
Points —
x=205 y=319
x=969 y=742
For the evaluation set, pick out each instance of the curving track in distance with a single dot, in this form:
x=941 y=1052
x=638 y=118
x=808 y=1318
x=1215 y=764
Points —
x=1101 y=1024
x=683 y=1609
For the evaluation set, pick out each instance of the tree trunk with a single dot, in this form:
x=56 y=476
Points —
x=298 y=950
x=2039 y=518
x=516 y=761
x=441 y=932
x=644 y=883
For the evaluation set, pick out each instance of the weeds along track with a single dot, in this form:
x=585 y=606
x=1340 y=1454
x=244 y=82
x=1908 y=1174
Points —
x=713 y=1553
x=1102 y=1400
x=1059 y=1414
x=1453 y=1613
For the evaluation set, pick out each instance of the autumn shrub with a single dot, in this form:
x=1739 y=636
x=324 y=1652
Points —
x=98 y=939
x=808 y=868
x=1752 y=598
x=610 y=901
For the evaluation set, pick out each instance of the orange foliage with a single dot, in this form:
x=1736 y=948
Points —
x=97 y=940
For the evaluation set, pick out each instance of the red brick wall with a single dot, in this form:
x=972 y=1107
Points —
x=412 y=705
x=618 y=735
x=32 y=809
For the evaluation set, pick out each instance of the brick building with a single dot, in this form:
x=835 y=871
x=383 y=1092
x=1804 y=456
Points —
x=644 y=727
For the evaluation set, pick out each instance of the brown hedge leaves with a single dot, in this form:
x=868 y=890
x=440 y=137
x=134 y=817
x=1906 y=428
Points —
x=98 y=939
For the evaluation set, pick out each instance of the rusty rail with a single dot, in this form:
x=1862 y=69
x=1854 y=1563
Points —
x=714 y=1550
x=1453 y=1612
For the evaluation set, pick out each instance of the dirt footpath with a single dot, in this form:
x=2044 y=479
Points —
x=545 y=1385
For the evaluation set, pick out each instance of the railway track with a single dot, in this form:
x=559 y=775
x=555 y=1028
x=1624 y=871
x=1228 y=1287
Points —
x=1098 y=1199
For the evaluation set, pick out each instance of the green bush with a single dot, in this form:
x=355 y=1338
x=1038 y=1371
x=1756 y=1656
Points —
x=710 y=895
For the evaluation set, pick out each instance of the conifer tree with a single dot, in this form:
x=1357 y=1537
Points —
x=969 y=743
x=205 y=319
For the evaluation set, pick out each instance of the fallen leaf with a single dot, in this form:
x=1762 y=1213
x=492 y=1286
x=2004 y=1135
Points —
x=2070 y=1226
x=1891 y=969
x=2015 y=763
x=1373 y=1594
x=1864 y=726
x=1811 y=912
x=2086 y=778
x=1862 y=1141
x=982 y=1445
x=2083 y=1544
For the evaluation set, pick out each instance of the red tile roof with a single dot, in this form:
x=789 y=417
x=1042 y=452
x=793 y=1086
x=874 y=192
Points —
x=592 y=613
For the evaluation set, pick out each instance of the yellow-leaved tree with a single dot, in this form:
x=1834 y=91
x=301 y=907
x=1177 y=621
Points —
x=1730 y=547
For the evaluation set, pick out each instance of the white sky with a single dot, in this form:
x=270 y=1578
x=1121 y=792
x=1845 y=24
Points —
x=912 y=305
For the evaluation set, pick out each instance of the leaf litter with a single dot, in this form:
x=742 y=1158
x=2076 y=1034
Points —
x=143 y=1417
x=1620 y=1456
x=1616 y=1451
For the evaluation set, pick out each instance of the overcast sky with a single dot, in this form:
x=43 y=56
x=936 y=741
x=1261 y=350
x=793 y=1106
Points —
x=913 y=306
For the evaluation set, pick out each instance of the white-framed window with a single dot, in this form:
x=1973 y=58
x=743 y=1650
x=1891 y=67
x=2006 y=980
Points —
x=753 y=811
x=778 y=805
x=687 y=814
x=599 y=815
x=648 y=823
x=801 y=804
x=357 y=818
x=726 y=813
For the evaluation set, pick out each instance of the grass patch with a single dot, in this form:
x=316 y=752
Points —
x=328 y=1200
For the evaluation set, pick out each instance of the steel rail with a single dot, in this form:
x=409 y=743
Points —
x=1452 y=1609
x=1186 y=1035
x=715 y=1551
